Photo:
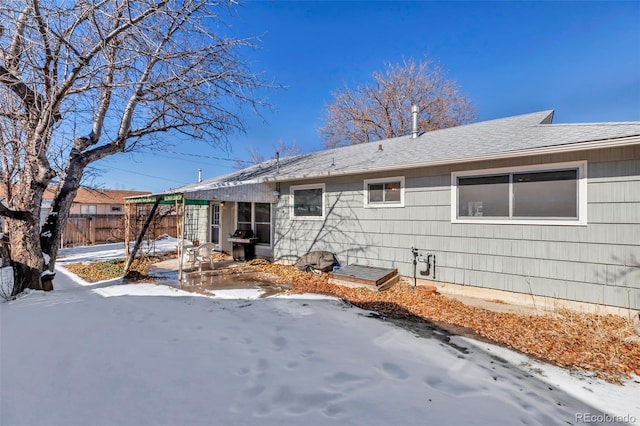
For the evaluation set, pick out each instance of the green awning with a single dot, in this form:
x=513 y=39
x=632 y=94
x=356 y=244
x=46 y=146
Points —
x=165 y=199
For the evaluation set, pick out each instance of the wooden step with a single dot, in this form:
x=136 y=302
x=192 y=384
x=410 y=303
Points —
x=370 y=277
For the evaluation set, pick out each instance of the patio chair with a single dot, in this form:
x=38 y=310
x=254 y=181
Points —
x=204 y=254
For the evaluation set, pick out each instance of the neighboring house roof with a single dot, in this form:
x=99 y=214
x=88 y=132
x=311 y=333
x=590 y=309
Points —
x=98 y=196
x=104 y=196
x=91 y=196
x=522 y=135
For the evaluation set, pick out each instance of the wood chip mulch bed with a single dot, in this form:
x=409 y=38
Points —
x=605 y=345
x=110 y=269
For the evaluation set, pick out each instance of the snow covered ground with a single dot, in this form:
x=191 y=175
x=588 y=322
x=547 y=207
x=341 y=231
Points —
x=145 y=354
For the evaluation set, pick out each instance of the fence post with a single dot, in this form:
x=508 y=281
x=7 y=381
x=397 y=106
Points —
x=92 y=232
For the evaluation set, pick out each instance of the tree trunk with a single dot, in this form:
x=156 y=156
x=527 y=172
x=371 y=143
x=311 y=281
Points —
x=55 y=223
x=24 y=232
x=26 y=256
x=56 y=220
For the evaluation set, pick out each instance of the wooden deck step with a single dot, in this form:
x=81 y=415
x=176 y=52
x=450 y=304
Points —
x=370 y=277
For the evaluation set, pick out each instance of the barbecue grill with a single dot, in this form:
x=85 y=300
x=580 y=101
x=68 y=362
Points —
x=244 y=244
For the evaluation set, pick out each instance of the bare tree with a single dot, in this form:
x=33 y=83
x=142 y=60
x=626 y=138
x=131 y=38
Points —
x=382 y=109
x=95 y=78
x=255 y=156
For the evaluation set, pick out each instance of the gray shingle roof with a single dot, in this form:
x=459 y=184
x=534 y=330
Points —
x=514 y=135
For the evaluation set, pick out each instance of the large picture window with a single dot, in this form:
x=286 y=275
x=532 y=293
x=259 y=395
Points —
x=554 y=194
x=486 y=196
x=307 y=202
x=387 y=192
x=546 y=194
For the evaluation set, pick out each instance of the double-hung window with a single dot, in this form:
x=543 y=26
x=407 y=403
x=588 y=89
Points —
x=386 y=192
x=550 y=194
x=307 y=202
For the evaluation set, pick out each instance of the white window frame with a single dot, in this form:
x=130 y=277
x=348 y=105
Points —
x=294 y=188
x=367 y=182
x=580 y=166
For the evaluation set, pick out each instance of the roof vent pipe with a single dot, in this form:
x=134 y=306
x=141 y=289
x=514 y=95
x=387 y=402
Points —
x=199 y=175
x=414 y=121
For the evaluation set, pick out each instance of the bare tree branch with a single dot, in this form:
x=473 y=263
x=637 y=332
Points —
x=281 y=150
x=14 y=214
x=381 y=109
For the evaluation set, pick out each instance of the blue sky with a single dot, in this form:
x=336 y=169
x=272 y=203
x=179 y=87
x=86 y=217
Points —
x=581 y=59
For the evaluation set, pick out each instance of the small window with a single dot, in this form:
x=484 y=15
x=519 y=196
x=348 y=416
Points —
x=116 y=208
x=307 y=202
x=387 y=192
x=88 y=209
x=554 y=194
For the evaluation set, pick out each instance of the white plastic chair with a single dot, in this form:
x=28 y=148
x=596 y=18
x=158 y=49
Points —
x=204 y=254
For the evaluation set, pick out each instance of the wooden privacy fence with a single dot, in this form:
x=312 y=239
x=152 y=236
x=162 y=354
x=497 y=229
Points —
x=101 y=229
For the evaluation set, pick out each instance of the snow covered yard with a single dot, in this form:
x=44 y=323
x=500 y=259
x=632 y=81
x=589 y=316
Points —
x=113 y=354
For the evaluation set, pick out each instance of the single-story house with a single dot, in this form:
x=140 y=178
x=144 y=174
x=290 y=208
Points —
x=87 y=202
x=516 y=205
x=97 y=202
x=95 y=216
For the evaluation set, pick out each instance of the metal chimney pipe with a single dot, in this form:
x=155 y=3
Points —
x=414 y=121
x=199 y=175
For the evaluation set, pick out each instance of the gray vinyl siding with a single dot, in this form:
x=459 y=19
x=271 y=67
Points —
x=596 y=263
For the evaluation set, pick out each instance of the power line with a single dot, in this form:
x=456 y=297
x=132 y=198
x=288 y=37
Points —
x=189 y=160
x=211 y=157
x=150 y=176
